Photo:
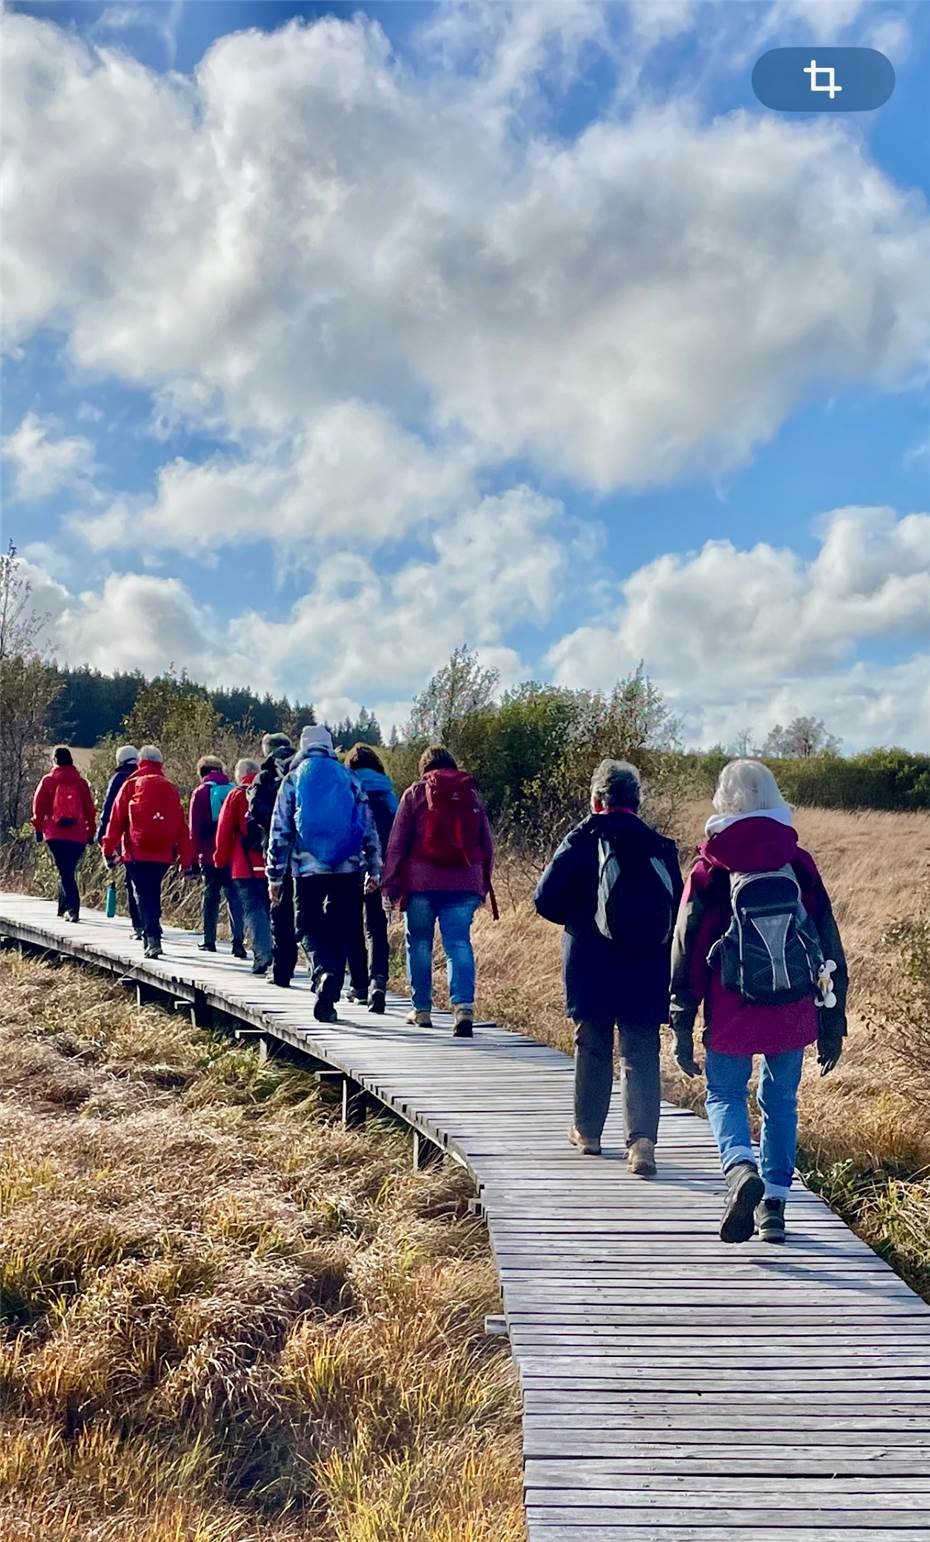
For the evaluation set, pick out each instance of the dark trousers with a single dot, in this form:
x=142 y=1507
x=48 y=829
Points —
x=253 y=898
x=327 y=912
x=147 y=878
x=594 y=1073
x=66 y=855
x=284 y=935
x=217 y=881
x=135 y=914
x=368 y=965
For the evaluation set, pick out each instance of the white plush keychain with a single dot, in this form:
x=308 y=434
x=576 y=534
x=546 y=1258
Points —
x=825 y=985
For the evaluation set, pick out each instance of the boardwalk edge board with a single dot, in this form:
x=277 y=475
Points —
x=675 y=1390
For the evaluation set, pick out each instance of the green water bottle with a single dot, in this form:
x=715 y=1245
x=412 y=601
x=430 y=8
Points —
x=111 y=899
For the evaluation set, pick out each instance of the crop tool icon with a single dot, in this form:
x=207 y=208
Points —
x=815 y=70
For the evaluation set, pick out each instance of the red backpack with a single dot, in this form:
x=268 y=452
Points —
x=452 y=832
x=154 y=810
x=67 y=806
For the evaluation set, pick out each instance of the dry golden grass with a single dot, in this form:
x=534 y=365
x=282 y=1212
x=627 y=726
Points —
x=226 y=1319
x=877 y=869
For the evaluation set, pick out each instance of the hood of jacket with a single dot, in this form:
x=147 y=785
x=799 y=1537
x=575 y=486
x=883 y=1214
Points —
x=315 y=749
x=150 y=768
x=625 y=829
x=217 y=776
x=377 y=782
x=65 y=774
x=755 y=844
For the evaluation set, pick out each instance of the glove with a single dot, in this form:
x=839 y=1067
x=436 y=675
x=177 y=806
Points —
x=39 y=837
x=829 y=1046
x=684 y=1052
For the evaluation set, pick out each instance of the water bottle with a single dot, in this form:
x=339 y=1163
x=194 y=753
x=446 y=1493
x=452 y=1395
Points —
x=111 y=899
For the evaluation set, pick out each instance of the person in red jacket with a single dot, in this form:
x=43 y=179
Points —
x=438 y=868
x=239 y=850
x=64 y=816
x=148 y=830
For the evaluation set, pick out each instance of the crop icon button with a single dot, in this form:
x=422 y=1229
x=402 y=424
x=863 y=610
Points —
x=823 y=79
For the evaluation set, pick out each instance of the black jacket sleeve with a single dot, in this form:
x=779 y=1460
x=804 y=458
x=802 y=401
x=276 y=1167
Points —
x=558 y=891
x=833 y=1018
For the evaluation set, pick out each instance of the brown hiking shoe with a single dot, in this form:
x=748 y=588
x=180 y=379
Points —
x=420 y=1019
x=587 y=1147
x=641 y=1158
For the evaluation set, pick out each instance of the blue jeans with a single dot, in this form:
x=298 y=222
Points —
x=253 y=894
x=454 y=912
x=728 y=1112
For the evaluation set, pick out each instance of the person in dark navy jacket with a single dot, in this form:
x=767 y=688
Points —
x=615 y=979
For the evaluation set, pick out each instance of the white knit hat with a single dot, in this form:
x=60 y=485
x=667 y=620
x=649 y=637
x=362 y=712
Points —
x=314 y=737
x=125 y=753
x=151 y=752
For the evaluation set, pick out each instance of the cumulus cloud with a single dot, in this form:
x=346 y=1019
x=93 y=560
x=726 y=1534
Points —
x=359 y=633
x=739 y=637
x=353 y=474
x=42 y=464
x=307 y=223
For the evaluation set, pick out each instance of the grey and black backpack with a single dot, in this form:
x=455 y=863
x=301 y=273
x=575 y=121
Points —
x=770 y=953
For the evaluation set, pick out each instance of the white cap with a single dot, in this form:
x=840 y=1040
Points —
x=125 y=753
x=314 y=737
x=151 y=752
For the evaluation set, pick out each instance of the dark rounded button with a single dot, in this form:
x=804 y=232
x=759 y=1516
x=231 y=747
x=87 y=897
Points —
x=823 y=79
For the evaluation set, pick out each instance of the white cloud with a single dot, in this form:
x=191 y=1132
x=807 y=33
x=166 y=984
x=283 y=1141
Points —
x=353 y=475
x=358 y=633
x=42 y=464
x=739 y=637
x=307 y=223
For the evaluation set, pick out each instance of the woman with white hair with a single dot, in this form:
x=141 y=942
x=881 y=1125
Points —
x=754 y=934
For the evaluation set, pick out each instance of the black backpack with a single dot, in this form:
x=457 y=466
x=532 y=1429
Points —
x=260 y=797
x=635 y=899
x=770 y=953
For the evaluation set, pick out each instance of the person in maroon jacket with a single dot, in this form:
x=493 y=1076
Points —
x=207 y=800
x=754 y=931
x=438 y=868
x=64 y=816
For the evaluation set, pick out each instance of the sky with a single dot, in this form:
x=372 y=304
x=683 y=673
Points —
x=337 y=336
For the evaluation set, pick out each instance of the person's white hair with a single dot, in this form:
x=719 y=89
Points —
x=747 y=787
x=151 y=752
x=246 y=767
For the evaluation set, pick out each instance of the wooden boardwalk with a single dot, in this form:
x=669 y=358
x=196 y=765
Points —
x=675 y=1390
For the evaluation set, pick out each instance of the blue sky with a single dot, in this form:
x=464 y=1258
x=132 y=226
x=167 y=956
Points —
x=332 y=347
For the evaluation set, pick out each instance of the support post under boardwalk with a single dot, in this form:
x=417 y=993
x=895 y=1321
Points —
x=426 y=1153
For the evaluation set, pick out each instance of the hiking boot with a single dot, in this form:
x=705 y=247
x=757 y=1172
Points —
x=153 y=949
x=746 y=1190
x=260 y=968
x=283 y=985
x=70 y=915
x=324 y=1010
x=360 y=997
x=206 y=947
x=641 y=1157
x=420 y=1019
x=138 y=936
x=770 y=1220
x=377 y=1001
x=238 y=950
x=463 y=1026
x=587 y=1147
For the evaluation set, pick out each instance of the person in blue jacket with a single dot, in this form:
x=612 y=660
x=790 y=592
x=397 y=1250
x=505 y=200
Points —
x=615 y=885
x=324 y=833
x=368 y=969
x=127 y=764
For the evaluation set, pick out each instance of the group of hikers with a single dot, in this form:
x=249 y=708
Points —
x=310 y=851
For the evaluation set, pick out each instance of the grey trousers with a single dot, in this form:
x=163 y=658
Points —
x=641 y=1083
